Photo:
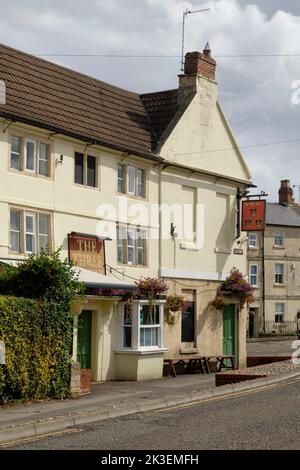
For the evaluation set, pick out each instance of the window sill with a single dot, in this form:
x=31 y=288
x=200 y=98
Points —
x=226 y=251
x=252 y=247
x=133 y=196
x=141 y=352
x=275 y=247
x=279 y=285
x=85 y=187
x=190 y=247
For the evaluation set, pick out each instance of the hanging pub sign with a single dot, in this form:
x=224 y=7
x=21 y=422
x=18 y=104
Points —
x=87 y=251
x=253 y=216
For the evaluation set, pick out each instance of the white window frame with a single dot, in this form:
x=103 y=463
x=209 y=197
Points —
x=39 y=159
x=12 y=152
x=122 y=178
x=281 y=313
x=135 y=247
x=33 y=234
x=40 y=234
x=251 y=265
x=252 y=237
x=32 y=141
x=127 y=326
x=137 y=326
x=19 y=232
x=139 y=176
x=23 y=156
x=278 y=235
x=281 y=273
x=23 y=214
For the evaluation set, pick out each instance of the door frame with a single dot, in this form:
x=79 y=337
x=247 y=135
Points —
x=236 y=332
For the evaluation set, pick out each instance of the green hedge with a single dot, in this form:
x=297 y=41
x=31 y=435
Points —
x=36 y=326
x=38 y=343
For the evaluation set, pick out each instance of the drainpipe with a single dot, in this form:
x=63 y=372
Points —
x=160 y=220
x=263 y=281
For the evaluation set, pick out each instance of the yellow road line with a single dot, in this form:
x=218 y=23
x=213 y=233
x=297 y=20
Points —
x=42 y=436
x=227 y=397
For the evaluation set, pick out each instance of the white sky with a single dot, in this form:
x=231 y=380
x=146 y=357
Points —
x=254 y=91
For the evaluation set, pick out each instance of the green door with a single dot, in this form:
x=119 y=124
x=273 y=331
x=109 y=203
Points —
x=84 y=339
x=229 y=331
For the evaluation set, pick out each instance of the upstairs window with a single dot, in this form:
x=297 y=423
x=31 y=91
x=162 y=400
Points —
x=253 y=275
x=15 y=155
x=131 y=180
x=30 y=155
x=252 y=243
x=279 y=273
x=131 y=245
x=278 y=240
x=29 y=231
x=85 y=170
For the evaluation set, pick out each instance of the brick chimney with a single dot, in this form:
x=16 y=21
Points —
x=286 y=193
x=199 y=73
x=200 y=63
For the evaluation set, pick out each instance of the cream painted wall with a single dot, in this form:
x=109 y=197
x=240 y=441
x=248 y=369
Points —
x=217 y=227
x=74 y=207
x=201 y=132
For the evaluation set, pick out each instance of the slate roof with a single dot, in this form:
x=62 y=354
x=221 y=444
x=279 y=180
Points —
x=279 y=214
x=47 y=95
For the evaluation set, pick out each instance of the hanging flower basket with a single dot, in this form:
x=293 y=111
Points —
x=234 y=286
x=174 y=304
x=151 y=288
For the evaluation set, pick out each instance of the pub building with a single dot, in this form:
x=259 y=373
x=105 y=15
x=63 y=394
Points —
x=112 y=338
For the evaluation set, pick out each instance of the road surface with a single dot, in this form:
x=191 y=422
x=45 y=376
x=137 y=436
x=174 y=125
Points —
x=268 y=418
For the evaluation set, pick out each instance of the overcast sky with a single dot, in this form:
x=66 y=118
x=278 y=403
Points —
x=255 y=92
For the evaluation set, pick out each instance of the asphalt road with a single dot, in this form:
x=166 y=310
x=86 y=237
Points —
x=264 y=419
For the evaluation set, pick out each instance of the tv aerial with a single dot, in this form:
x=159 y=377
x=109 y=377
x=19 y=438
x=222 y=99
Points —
x=184 y=16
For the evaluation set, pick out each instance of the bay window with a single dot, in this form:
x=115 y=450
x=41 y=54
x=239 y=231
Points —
x=141 y=325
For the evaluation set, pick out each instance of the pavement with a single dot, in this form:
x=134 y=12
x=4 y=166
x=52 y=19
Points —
x=270 y=348
x=116 y=399
x=266 y=418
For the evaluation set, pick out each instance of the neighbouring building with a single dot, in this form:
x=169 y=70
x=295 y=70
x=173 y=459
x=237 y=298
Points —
x=274 y=268
x=128 y=185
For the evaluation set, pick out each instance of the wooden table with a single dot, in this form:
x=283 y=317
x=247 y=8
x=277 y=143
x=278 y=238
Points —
x=193 y=363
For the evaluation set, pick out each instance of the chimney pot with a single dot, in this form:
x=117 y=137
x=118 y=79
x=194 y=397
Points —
x=286 y=193
x=197 y=63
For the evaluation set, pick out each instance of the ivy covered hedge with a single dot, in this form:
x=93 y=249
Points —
x=36 y=326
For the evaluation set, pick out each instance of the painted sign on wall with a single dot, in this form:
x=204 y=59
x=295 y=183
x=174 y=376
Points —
x=87 y=252
x=253 y=216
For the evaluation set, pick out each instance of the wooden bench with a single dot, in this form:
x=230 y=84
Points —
x=193 y=363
